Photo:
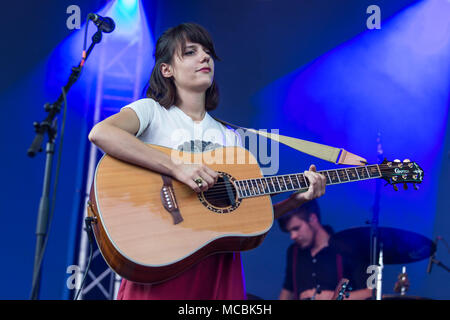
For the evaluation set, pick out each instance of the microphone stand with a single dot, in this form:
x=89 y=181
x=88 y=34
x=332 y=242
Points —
x=440 y=264
x=49 y=127
x=375 y=220
x=435 y=261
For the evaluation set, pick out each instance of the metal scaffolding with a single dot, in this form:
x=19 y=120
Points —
x=118 y=84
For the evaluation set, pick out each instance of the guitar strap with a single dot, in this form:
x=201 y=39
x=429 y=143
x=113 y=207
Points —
x=321 y=151
x=339 y=267
x=294 y=272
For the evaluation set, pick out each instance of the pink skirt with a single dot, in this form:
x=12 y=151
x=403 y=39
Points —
x=217 y=277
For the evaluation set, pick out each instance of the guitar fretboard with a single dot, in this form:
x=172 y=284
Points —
x=248 y=188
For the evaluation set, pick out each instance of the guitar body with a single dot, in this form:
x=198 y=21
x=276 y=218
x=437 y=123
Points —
x=146 y=238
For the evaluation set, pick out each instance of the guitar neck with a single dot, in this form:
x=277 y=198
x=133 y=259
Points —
x=249 y=188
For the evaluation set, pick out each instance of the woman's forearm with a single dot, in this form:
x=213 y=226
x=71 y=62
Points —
x=124 y=146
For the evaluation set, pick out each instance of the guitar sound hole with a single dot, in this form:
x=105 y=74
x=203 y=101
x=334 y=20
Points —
x=222 y=194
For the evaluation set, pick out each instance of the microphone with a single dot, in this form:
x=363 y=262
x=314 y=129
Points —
x=105 y=24
x=431 y=260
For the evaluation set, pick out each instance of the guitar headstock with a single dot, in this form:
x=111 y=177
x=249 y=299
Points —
x=342 y=290
x=395 y=172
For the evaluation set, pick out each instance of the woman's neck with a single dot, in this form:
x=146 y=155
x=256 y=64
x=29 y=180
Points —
x=321 y=241
x=192 y=103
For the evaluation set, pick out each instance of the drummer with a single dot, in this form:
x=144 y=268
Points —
x=314 y=268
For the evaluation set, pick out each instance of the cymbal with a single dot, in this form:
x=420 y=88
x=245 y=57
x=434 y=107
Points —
x=399 y=246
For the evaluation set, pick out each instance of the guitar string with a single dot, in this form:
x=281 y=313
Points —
x=303 y=176
x=320 y=172
x=218 y=191
x=329 y=180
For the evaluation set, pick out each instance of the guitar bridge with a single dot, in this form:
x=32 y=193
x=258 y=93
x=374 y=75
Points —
x=169 y=201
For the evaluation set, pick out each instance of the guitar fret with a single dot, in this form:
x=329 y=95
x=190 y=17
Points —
x=360 y=175
x=347 y=174
x=343 y=177
x=378 y=169
x=282 y=178
x=290 y=182
x=247 y=193
x=300 y=181
x=374 y=171
x=249 y=189
x=254 y=185
x=329 y=179
x=276 y=180
x=260 y=187
x=299 y=184
x=257 y=185
x=264 y=185
x=323 y=173
x=334 y=176
x=295 y=185
x=337 y=174
x=361 y=172
x=368 y=174
x=357 y=174
x=352 y=176
x=306 y=180
x=273 y=184
x=270 y=186
x=287 y=183
x=266 y=181
x=293 y=182
x=244 y=190
x=238 y=187
x=252 y=182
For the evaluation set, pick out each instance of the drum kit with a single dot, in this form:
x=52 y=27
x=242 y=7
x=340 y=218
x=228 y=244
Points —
x=377 y=245
x=395 y=246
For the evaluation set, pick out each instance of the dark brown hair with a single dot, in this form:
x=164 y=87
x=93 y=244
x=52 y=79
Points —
x=303 y=212
x=162 y=89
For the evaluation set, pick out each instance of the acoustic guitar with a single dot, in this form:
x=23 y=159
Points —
x=150 y=227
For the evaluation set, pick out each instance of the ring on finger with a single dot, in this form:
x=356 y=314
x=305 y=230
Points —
x=199 y=182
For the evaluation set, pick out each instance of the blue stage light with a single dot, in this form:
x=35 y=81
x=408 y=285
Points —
x=129 y=5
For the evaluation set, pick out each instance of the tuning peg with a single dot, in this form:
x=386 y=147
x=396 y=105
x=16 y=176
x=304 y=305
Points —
x=398 y=163
x=395 y=187
x=416 y=187
x=405 y=186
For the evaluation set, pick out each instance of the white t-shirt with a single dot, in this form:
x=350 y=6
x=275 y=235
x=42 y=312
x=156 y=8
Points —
x=172 y=128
